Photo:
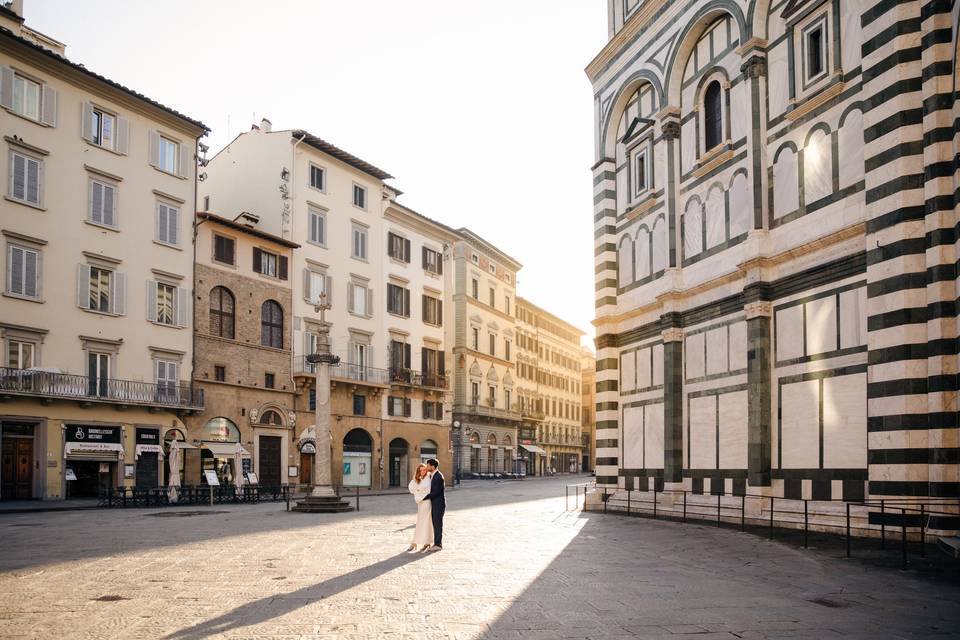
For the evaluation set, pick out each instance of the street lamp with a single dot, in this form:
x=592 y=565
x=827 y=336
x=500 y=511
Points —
x=457 y=443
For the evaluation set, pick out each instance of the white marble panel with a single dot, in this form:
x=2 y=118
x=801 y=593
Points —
x=653 y=436
x=800 y=424
x=703 y=53
x=850 y=147
x=733 y=430
x=786 y=192
x=628 y=371
x=852 y=314
x=694 y=349
x=821 y=325
x=715 y=217
x=717 y=351
x=660 y=245
x=644 y=373
x=642 y=251
x=692 y=228
x=845 y=422
x=850 y=17
x=688 y=145
x=703 y=433
x=789 y=330
x=777 y=73
x=817 y=167
x=738 y=346
x=741 y=206
x=633 y=438
x=657 y=357
x=623 y=190
x=625 y=261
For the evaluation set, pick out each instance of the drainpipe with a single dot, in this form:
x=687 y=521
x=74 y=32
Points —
x=193 y=270
x=293 y=192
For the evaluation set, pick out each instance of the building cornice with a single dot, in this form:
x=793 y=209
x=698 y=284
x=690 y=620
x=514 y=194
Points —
x=638 y=21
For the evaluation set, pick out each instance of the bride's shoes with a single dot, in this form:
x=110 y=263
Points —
x=412 y=547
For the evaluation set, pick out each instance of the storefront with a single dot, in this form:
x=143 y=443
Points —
x=357 y=459
x=428 y=449
x=169 y=436
x=92 y=455
x=21 y=473
x=532 y=457
x=218 y=451
x=147 y=454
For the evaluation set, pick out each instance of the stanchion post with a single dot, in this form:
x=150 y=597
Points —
x=358 y=498
x=806 y=526
x=743 y=512
x=604 y=500
x=654 y=501
x=771 y=517
x=566 y=498
x=718 y=510
x=628 y=501
x=684 y=505
x=848 y=529
x=211 y=495
x=923 y=531
x=903 y=536
x=883 y=525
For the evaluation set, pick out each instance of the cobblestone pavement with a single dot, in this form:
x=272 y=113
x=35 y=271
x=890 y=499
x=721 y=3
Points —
x=515 y=565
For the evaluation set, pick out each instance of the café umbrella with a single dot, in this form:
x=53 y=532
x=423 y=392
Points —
x=173 y=461
x=238 y=466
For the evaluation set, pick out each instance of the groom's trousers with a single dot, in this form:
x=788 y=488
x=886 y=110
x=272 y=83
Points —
x=436 y=514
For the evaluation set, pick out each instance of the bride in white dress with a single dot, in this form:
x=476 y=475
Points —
x=420 y=487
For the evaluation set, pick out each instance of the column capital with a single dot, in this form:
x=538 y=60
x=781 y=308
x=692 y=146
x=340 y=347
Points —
x=673 y=334
x=758 y=309
x=755 y=66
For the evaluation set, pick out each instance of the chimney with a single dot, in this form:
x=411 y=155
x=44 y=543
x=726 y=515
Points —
x=266 y=126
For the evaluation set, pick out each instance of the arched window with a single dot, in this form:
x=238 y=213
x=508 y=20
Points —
x=712 y=116
x=222 y=312
x=271 y=417
x=271 y=325
x=220 y=430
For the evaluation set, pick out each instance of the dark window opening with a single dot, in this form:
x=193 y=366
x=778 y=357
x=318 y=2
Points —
x=815 y=53
x=713 y=116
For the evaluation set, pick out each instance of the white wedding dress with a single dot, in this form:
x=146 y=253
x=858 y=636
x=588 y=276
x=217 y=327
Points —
x=423 y=534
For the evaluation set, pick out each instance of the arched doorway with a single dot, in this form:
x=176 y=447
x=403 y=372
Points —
x=357 y=458
x=428 y=449
x=492 y=453
x=215 y=456
x=474 y=452
x=398 y=462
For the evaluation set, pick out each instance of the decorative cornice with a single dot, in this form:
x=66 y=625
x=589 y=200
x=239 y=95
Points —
x=805 y=106
x=758 y=310
x=672 y=335
x=755 y=66
x=633 y=26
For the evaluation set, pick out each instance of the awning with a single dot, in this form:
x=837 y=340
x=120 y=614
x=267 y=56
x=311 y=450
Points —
x=147 y=448
x=107 y=450
x=474 y=446
x=532 y=448
x=224 y=449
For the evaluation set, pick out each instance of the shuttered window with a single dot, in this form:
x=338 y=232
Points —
x=269 y=264
x=103 y=203
x=25 y=172
x=23 y=271
x=713 y=116
x=224 y=249
x=315 y=285
x=271 y=325
x=318 y=177
x=432 y=261
x=359 y=196
x=222 y=312
x=166 y=295
x=359 y=300
x=167 y=224
x=318 y=227
x=398 y=247
x=432 y=310
x=359 y=248
x=167 y=160
x=398 y=300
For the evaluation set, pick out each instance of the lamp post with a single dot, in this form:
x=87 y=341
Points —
x=322 y=497
x=457 y=451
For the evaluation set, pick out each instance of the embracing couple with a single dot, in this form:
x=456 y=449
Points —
x=427 y=488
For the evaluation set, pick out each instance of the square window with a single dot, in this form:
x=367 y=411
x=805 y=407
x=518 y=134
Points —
x=359 y=300
x=23 y=271
x=432 y=261
x=318 y=227
x=359 y=244
x=100 y=289
x=266 y=263
x=475 y=259
x=475 y=292
x=815 y=52
x=169 y=150
x=219 y=373
x=103 y=202
x=25 y=173
x=224 y=249
x=168 y=224
x=318 y=178
x=359 y=405
x=102 y=127
x=493 y=268
x=166 y=296
x=268 y=380
x=20 y=355
x=359 y=196
x=26 y=97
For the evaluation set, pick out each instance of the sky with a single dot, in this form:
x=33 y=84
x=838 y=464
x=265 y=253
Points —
x=481 y=109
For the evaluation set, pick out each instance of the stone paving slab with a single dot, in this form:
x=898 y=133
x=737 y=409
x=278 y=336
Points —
x=515 y=565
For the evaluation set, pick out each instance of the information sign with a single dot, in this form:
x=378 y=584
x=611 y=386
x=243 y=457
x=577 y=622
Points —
x=212 y=478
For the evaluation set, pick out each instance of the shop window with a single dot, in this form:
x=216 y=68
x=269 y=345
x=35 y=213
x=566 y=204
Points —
x=359 y=404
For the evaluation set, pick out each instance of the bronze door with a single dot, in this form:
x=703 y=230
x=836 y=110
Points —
x=270 y=461
x=17 y=468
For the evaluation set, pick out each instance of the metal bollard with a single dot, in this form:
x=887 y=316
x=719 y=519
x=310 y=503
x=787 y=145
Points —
x=684 y=505
x=903 y=536
x=771 y=517
x=628 y=502
x=604 y=501
x=883 y=526
x=848 y=529
x=718 y=510
x=566 y=498
x=358 y=498
x=923 y=531
x=743 y=512
x=654 y=502
x=806 y=527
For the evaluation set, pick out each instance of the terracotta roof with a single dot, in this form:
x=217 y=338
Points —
x=253 y=231
x=341 y=155
x=9 y=35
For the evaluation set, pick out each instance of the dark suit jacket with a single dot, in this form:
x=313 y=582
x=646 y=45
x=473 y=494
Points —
x=437 y=497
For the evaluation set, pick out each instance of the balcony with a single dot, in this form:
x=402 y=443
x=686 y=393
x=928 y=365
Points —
x=529 y=413
x=408 y=377
x=344 y=371
x=52 y=385
x=488 y=412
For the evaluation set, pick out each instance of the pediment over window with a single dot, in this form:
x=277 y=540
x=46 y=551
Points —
x=795 y=6
x=636 y=126
x=492 y=375
x=475 y=369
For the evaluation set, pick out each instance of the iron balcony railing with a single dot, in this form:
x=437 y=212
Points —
x=487 y=411
x=50 y=384
x=418 y=379
x=344 y=371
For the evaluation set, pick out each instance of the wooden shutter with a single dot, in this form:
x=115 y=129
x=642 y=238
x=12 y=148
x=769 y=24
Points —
x=86 y=122
x=441 y=363
x=423 y=256
x=18 y=176
x=282 y=260
x=15 y=283
x=118 y=293
x=186 y=165
x=229 y=247
x=424 y=360
x=182 y=310
x=439 y=263
x=257 y=260
x=440 y=312
x=307 y=285
x=154 y=149
x=406 y=407
x=96 y=202
x=83 y=286
x=369 y=303
x=173 y=225
x=424 y=301
x=406 y=355
x=6 y=87
x=48 y=115
x=160 y=227
x=109 y=205
x=406 y=303
x=31 y=273
x=350 y=305
x=122 y=136
x=152 y=300
x=406 y=250
x=389 y=405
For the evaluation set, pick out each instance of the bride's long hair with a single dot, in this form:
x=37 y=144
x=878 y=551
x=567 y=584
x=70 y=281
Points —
x=420 y=473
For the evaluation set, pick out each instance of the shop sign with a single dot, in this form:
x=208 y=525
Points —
x=211 y=477
x=148 y=436
x=526 y=441
x=308 y=447
x=70 y=474
x=84 y=433
x=527 y=433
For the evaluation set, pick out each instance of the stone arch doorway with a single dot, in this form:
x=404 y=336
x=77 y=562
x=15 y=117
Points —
x=357 y=458
x=399 y=462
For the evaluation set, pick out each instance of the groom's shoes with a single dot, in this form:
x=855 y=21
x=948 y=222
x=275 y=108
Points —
x=436 y=547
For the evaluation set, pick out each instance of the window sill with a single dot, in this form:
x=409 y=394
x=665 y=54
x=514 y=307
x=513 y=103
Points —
x=359 y=259
x=815 y=99
x=105 y=227
x=17 y=296
x=24 y=203
x=399 y=261
x=103 y=148
x=167 y=245
x=713 y=159
x=432 y=274
x=167 y=173
x=267 y=276
x=224 y=264
x=109 y=314
x=28 y=118
x=164 y=324
x=398 y=315
x=322 y=245
x=359 y=315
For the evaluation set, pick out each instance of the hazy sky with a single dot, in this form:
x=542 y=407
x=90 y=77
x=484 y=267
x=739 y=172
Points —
x=480 y=109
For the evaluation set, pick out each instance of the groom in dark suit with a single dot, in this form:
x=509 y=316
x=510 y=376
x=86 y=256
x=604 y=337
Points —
x=438 y=502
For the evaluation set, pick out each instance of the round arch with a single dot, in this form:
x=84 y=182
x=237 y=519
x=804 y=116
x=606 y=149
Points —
x=398 y=462
x=357 y=458
x=608 y=137
x=428 y=449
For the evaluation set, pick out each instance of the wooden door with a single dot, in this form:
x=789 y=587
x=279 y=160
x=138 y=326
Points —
x=306 y=468
x=269 y=461
x=148 y=471
x=17 y=468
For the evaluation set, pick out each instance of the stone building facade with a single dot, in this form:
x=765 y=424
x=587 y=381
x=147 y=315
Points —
x=95 y=320
x=588 y=401
x=775 y=221
x=242 y=319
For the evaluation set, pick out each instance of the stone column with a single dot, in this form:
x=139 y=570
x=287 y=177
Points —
x=759 y=314
x=754 y=70
x=672 y=334
x=322 y=481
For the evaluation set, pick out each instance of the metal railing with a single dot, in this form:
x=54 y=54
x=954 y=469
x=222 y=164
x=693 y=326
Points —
x=187 y=495
x=418 y=379
x=344 y=371
x=487 y=411
x=875 y=517
x=48 y=384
